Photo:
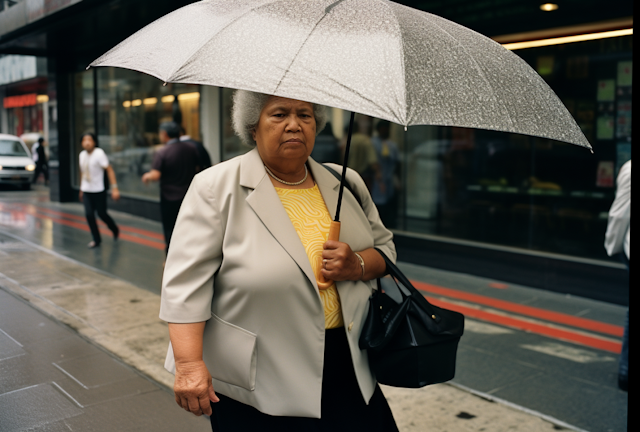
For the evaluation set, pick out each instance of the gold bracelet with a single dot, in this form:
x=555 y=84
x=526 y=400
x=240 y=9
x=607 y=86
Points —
x=361 y=263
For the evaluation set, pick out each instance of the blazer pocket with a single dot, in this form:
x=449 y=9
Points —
x=230 y=352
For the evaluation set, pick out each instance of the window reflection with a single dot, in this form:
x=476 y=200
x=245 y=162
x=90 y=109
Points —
x=508 y=189
x=130 y=108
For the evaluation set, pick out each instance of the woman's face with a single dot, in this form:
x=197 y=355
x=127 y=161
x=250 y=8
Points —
x=88 y=144
x=286 y=132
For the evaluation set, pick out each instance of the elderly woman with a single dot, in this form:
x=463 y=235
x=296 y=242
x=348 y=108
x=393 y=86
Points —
x=255 y=343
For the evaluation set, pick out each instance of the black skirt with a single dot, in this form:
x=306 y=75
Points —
x=343 y=408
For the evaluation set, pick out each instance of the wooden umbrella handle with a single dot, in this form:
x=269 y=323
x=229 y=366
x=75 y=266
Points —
x=334 y=234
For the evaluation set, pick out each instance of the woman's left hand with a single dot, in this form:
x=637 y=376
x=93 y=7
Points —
x=339 y=262
x=115 y=194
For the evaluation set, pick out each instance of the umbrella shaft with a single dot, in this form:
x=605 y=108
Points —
x=344 y=166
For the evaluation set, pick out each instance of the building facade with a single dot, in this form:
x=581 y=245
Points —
x=464 y=196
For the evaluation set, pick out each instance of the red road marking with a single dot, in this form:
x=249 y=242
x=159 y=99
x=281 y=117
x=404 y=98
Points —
x=85 y=227
x=543 y=314
x=512 y=322
x=567 y=335
x=125 y=228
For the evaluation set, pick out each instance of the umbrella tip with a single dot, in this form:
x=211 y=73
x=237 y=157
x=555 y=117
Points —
x=164 y=85
x=405 y=128
x=88 y=67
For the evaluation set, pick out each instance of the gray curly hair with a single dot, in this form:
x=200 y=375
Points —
x=247 y=106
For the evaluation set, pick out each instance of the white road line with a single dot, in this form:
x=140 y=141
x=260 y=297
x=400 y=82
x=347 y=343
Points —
x=480 y=327
x=566 y=352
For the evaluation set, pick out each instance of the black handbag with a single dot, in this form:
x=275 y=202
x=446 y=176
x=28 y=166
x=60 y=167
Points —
x=410 y=342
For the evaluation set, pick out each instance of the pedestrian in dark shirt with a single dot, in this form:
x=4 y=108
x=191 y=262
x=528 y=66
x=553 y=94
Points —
x=40 y=158
x=327 y=147
x=174 y=166
x=204 y=161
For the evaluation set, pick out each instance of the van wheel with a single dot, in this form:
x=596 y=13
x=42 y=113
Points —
x=25 y=186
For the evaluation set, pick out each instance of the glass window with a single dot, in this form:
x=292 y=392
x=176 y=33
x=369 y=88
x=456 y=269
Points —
x=523 y=191
x=131 y=106
x=503 y=188
x=83 y=116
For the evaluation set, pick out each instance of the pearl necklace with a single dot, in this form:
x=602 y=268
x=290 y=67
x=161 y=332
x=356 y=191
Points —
x=286 y=182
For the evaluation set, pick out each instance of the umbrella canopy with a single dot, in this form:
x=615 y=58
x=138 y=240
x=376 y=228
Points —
x=375 y=57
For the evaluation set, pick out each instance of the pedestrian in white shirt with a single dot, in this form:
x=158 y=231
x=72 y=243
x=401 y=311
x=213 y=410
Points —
x=93 y=163
x=618 y=240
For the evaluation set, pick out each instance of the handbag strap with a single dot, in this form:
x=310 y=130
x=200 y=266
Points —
x=337 y=175
x=417 y=296
x=391 y=268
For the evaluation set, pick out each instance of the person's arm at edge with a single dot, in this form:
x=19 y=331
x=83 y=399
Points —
x=193 y=388
x=153 y=175
x=115 y=192
x=80 y=194
x=619 y=213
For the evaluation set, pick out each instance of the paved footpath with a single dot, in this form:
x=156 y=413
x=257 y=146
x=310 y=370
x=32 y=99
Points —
x=81 y=350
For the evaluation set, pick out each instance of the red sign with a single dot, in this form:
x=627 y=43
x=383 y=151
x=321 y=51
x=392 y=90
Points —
x=20 y=101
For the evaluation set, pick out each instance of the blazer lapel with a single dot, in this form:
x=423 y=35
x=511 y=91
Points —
x=265 y=202
x=329 y=186
x=354 y=227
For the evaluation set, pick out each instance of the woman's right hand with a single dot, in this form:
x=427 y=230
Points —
x=193 y=388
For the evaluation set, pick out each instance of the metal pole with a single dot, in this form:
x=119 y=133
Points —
x=344 y=166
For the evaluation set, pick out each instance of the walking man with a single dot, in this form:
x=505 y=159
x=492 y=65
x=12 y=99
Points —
x=204 y=161
x=174 y=166
x=40 y=158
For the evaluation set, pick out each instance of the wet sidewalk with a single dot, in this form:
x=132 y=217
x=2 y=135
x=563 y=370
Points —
x=530 y=360
x=52 y=379
x=83 y=351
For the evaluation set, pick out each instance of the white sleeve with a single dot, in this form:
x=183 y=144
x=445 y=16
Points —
x=103 y=160
x=618 y=226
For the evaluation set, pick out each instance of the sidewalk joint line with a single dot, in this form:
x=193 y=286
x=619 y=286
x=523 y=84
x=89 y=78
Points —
x=70 y=376
x=504 y=402
x=20 y=389
x=7 y=335
x=67 y=394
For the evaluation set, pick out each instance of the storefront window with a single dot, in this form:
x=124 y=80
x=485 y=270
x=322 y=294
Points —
x=83 y=116
x=130 y=108
x=508 y=189
x=522 y=191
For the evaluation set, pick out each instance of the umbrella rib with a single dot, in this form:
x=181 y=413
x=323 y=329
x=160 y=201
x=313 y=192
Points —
x=402 y=50
x=484 y=76
x=299 y=49
x=233 y=21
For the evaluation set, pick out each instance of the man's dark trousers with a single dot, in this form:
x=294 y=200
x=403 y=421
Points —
x=41 y=168
x=96 y=202
x=169 y=213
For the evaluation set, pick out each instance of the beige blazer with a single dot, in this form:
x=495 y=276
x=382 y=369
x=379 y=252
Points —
x=237 y=262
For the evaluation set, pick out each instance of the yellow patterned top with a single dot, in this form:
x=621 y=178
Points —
x=311 y=219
